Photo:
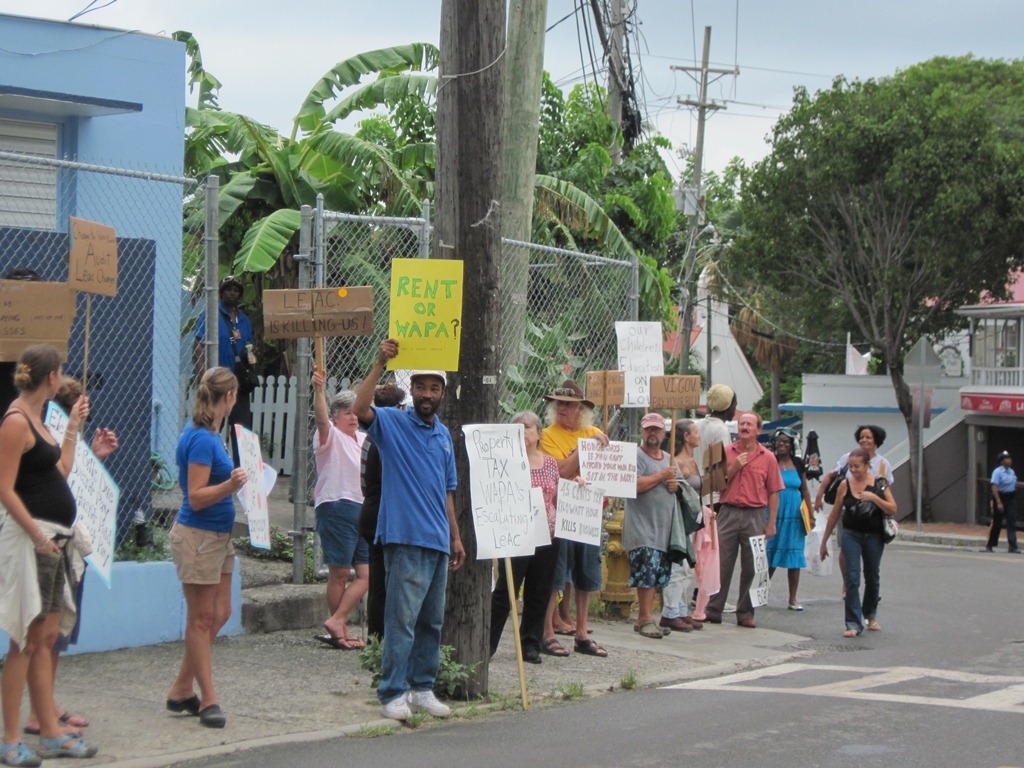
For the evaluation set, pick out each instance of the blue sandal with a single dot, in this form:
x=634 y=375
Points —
x=65 y=746
x=19 y=755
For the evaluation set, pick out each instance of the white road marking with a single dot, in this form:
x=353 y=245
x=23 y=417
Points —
x=1009 y=696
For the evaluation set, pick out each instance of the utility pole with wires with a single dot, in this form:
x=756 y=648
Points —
x=616 y=76
x=695 y=201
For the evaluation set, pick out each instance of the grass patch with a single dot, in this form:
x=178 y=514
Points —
x=629 y=681
x=571 y=691
x=373 y=731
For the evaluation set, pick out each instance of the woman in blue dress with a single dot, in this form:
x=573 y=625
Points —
x=786 y=547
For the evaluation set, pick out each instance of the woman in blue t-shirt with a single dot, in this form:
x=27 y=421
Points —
x=201 y=542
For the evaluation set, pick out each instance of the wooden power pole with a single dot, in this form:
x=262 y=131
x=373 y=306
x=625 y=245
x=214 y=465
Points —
x=468 y=195
x=524 y=75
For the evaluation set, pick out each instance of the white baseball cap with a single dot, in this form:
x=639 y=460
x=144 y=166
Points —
x=413 y=375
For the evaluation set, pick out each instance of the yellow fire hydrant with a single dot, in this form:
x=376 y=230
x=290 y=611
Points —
x=616 y=595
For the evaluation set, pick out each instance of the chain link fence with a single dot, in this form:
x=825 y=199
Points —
x=139 y=348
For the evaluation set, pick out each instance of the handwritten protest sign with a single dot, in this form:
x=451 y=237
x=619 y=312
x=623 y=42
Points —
x=606 y=387
x=640 y=357
x=499 y=490
x=34 y=313
x=541 y=532
x=675 y=392
x=426 y=313
x=761 y=586
x=254 y=492
x=302 y=313
x=611 y=467
x=96 y=495
x=92 y=264
x=578 y=513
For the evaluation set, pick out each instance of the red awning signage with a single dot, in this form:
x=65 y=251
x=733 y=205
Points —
x=1007 y=405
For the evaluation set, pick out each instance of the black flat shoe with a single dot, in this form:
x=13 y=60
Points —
x=188 y=706
x=212 y=717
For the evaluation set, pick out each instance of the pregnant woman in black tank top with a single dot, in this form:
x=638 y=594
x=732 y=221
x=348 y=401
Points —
x=34 y=490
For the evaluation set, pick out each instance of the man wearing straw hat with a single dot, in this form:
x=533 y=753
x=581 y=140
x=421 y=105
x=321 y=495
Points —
x=570 y=417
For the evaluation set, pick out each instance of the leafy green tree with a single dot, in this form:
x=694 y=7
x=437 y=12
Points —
x=895 y=201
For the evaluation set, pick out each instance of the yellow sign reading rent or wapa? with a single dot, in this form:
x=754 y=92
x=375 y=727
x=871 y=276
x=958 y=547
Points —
x=426 y=313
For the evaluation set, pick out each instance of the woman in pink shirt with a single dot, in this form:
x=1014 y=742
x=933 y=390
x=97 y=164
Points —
x=337 y=447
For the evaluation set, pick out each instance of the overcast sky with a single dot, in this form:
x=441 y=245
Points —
x=268 y=55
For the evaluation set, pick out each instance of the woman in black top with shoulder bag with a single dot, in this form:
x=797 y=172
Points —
x=863 y=501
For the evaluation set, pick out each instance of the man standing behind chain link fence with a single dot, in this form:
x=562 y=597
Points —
x=418 y=531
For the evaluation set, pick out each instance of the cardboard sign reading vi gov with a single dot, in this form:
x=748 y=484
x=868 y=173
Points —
x=675 y=392
x=301 y=313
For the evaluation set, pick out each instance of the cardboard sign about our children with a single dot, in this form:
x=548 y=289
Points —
x=34 y=313
x=426 y=313
x=253 y=493
x=611 y=467
x=96 y=495
x=578 y=512
x=92 y=266
x=301 y=313
x=761 y=586
x=675 y=392
x=606 y=387
x=640 y=358
x=499 y=490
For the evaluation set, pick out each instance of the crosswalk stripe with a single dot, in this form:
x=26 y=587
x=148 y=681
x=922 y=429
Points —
x=1009 y=696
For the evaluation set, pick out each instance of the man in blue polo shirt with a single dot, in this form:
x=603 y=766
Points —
x=418 y=531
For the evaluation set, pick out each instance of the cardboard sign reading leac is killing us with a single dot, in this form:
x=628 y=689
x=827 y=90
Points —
x=675 y=392
x=302 y=313
x=34 y=313
x=92 y=264
x=426 y=313
x=606 y=387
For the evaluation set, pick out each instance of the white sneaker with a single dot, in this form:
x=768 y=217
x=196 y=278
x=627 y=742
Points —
x=729 y=608
x=396 y=709
x=426 y=700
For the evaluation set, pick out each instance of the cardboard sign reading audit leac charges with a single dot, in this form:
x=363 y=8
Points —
x=300 y=313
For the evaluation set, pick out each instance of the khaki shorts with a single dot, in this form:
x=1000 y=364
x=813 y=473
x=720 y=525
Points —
x=201 y=557
x=51 y=572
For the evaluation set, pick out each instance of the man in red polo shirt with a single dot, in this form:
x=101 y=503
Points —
x=753 y=483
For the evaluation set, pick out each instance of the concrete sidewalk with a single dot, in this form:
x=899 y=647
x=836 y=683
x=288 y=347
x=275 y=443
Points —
x=285 y=686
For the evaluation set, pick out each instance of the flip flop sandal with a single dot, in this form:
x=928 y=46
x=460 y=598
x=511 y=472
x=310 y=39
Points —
x=566 y=632
x=553 y=648
x=19 y=755
x=65 y=746
x=589 y=648
x=74 y=721
x=189 y=706
x=648 y=629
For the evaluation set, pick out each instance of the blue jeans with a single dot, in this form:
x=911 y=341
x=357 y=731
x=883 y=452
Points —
x=413 y=615
x=869 y=546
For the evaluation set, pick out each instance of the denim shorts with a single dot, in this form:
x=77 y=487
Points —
x=337 y=524
x=580 y=564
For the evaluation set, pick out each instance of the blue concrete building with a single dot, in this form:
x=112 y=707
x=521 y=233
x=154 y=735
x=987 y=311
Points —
x=74 y=97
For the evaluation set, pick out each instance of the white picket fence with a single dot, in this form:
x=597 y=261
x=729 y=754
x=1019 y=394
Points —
x=274 y=420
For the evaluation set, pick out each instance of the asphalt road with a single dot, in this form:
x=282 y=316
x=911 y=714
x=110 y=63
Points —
x=941 y=685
